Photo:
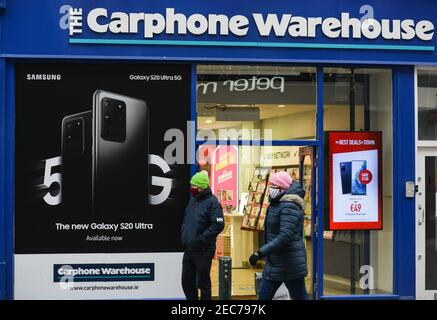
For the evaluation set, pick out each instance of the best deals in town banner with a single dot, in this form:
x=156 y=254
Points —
x=224 y=175
x=355 y=181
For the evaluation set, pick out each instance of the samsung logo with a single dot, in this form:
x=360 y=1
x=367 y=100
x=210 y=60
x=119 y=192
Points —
x=44 y=77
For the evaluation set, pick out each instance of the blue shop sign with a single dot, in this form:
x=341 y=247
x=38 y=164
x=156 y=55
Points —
x=317 y=30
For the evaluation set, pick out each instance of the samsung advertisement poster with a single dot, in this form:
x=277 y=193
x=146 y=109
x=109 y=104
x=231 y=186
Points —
x=98 y=209
x=355 y=180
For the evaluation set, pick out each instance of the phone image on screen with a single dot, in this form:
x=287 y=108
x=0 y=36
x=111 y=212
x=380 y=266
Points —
x=77 y=163
x=120 y=155
x=358 y=189
x=346 y=181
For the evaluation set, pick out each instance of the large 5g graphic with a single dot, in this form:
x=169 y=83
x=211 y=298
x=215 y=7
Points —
x=165 y=183
x=50 y=178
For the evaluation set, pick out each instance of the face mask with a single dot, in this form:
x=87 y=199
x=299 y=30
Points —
x=274 y=192
x=194 y=191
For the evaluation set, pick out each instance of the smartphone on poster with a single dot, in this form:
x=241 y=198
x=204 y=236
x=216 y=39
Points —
x=120 y=155
x=346 y=180
x=358 y=189
x=76 y=151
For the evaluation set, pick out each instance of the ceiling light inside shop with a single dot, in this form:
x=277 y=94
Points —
x=238 y=114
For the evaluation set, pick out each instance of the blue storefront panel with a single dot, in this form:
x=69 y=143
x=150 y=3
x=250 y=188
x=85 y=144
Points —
x=224 y=30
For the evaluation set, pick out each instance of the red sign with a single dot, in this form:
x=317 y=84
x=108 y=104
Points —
x=365 y=176
x=355 y=181
x=224 y=175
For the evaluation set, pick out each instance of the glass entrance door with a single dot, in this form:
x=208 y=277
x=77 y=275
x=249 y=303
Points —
x=426 y=213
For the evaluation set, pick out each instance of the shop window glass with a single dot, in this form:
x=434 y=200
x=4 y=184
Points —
x=256 y=102
x=361 y=262
x=239 y=179
x=430 y=223
x=427 y=103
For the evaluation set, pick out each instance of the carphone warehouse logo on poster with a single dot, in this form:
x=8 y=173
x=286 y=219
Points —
x=104 y=272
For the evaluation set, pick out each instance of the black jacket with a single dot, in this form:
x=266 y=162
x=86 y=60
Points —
x=203 y=221
x=284 y=250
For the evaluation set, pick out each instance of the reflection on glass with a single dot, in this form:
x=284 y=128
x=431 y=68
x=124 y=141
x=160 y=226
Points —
x=259 y=102
x=427 y=103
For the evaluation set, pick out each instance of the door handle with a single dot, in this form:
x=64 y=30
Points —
x=422 y=215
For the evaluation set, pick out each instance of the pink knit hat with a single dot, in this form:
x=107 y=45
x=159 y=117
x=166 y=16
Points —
x=282 y=179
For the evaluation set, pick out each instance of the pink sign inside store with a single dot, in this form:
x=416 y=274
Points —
x=224 y=175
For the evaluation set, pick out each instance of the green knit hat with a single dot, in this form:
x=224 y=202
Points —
x=200 y=180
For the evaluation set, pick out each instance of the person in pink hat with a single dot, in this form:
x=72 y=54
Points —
x=284 y=248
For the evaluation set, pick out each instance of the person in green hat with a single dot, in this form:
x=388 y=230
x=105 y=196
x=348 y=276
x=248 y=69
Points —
x=203 y=221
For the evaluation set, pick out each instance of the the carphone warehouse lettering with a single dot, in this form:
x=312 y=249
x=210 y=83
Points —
x=104 y=272
x=152 y=24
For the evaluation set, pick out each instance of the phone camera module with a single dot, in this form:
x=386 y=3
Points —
x=113 y=120
x=73 y=136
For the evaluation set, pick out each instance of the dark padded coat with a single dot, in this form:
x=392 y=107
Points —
x=284 y=250
x=203 y=221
